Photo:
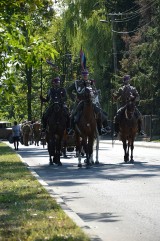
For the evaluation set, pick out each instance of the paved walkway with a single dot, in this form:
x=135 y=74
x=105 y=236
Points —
x=147 y=144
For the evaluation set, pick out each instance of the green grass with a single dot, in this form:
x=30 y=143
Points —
x=27 y=212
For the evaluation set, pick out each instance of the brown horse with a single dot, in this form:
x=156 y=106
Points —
x=86 y=130
x=55 y=132
x=128 y=129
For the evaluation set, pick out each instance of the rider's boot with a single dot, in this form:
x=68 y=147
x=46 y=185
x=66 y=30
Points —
x=72 y=124
x=116 y=129
x=140 y=131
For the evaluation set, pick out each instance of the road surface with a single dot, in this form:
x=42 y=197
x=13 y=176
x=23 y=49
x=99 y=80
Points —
x=114 y=200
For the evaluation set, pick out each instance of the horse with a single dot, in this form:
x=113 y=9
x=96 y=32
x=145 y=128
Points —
x=54 y=134
x=86 y=130
x=128 y=127
x=36 y=133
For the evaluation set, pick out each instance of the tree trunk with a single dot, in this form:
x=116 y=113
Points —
x=29 y=88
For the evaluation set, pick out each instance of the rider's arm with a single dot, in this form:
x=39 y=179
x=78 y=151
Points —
x=135 y=95
x=45 y=99
x=117 y=94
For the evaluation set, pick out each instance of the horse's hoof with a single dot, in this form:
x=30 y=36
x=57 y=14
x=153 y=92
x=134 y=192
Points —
x=79 y=165
x=131 y=161
x=51 y=163
x=88 y=163
x=96 y=162
x=59 y=163
x=126 y=159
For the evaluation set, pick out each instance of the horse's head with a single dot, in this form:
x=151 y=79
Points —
x=130 y=110
x=88 y=94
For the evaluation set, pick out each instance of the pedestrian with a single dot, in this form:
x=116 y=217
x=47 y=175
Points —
x=16 y=135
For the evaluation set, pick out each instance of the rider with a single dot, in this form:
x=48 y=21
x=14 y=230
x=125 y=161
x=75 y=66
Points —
x=126 y=93
x=58 y=93
x=75 y=92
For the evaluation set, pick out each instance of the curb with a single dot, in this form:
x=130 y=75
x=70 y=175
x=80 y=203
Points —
x=136 y=143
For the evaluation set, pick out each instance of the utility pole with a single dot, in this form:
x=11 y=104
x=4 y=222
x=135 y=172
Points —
x=114 y=51
x=113 y=41
x=114 y=44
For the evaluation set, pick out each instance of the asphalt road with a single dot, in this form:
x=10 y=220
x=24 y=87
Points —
x=112 y=201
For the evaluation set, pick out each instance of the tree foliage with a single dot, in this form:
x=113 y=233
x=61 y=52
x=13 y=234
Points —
x=32 y=32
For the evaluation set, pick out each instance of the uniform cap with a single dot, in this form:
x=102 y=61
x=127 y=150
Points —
x=56 y=80
x=126 y=77
x=85 y=72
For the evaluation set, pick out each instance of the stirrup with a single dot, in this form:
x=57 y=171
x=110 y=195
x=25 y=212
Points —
x=115 y=134
x=141 y=133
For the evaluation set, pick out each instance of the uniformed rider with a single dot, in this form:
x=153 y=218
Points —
x=124 y=94
x=76 y=93
x=55 y=93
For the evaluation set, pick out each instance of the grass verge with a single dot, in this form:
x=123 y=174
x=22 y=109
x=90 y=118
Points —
x=27 y=212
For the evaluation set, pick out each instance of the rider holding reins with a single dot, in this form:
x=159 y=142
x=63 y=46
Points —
x=75 y=92
x=126 y=93
x=55 y=93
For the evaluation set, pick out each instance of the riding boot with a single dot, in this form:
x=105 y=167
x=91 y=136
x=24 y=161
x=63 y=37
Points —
x=140 y=131
x=99 y=127
x=72 y=125
x=116 y=129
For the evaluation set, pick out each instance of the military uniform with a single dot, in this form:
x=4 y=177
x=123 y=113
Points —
x=127 y=93
x=54 y=94
x=76 y=92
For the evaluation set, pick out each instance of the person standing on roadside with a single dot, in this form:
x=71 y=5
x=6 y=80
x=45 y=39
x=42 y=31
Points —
x=16 y=135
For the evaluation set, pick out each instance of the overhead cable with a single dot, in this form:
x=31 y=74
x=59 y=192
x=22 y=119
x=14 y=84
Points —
x=136 y=29
x=135 y=14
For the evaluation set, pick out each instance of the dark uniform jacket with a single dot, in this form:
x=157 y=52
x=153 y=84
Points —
x=77 y=90
x=58 y=94
x=125 y=92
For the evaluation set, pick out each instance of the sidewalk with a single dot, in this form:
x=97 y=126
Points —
x=138 y=143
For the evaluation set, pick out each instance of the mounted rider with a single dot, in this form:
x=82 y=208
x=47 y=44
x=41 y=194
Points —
x=124 y=94
x=58 y=94
x=76 y=93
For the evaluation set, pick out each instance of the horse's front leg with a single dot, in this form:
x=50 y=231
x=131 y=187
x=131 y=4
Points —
x=132 y=148
x=78 y=150
x=125 y=146
x=97 y=148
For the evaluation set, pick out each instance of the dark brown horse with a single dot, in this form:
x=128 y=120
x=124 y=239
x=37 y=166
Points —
x=86 y=130
x=55 y=132
x=128 y=129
